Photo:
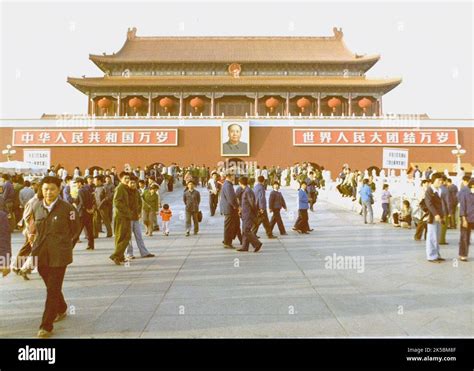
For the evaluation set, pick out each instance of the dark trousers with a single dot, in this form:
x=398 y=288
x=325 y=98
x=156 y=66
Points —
x=213 y=203
x=229 y=228
x=276 y=219
x=302 y=221
x=312 y=199
x=421 y=230
x=170 y=184
x=452 y=217
x=102 y=216
x=53 y=278
x=123 y=234
x=194 y=216
x=249 y=237
x=87 y=223
x=23 y=254
x=262 y=219
x=386 y=210
x=237 y=231
x=465 y=240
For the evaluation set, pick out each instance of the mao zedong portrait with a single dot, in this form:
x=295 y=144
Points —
x=234 y=146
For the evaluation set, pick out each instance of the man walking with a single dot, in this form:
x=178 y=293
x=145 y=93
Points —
x=214 y=189
x=122 y=219
x=453 y=203
x=136 y=203
x=57 y=228
x=276 y=202
x=302 y=224
x=261 y=203
x=229 y=208
x=312 y=192
x=436 y=215
x=191 y=199
x=101 y=214
x=466 y=214
x=248 y=211
x=445 y=204
x=366 y=199
x=85 y=208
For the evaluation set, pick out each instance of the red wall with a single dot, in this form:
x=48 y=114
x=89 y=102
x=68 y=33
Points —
x=269 y=146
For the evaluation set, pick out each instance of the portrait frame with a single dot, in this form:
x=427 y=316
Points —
x=245 y=137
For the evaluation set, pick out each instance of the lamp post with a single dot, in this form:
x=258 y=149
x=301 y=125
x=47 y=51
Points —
x=458 y=152
x=9 y=152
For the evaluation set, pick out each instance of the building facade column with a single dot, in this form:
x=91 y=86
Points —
x=93 y=106
x=319 y=104
x=181 y=104
x=256 y=105
x=149 y=104
x=380 y=111
x=212 y=104
x=119 y=101
x=287 y=108
x=349 y=112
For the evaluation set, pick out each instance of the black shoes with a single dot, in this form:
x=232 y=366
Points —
x=149 y=256
x=117 y=261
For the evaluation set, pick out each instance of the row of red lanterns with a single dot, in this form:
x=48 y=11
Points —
x=197 y=103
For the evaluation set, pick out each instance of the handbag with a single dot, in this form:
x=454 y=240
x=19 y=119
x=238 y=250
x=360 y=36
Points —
x=199 y=216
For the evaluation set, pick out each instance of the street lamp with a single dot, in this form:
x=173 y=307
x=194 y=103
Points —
x=458 y=152
x=9 y=152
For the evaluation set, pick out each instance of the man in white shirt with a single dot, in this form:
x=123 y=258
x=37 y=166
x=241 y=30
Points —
x=214 y=189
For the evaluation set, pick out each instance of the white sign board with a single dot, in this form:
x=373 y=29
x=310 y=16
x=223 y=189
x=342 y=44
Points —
x=395 y=158
x=40 y=157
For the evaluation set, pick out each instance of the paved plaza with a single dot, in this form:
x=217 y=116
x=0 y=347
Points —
x=195 y=288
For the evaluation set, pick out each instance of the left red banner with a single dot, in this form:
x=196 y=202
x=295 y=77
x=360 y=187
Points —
x=98 y=137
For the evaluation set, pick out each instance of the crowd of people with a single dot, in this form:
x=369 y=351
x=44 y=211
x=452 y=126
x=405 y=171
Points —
x=52 y=211
x=439 y=205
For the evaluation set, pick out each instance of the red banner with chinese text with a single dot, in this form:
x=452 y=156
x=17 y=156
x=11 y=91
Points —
x=375 y=137
x=98 y=137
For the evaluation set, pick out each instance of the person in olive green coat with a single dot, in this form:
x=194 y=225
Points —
x=122 y=219
x=151 y=205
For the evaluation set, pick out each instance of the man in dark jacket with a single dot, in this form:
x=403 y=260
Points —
x=466 y=215
x=453 y=203
x=261 y=202
x=122 y=219
x=191 y=199
x=5 y=240
x=101 y=212
x=435 y=208
x=248 y=211
x=276 y=202
x=85 y=207
x=56 y=230
x=229 y=207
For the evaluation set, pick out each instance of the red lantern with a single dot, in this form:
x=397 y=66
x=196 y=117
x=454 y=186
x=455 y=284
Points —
x=272 y=103
x=166 y=103
x=303 y=103
x=334 y=103
x=197 y=103
x=135 y=103
x=104 y=104
x=365 y=103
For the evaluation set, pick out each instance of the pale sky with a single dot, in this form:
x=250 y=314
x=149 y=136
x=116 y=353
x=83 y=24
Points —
x=428 y=44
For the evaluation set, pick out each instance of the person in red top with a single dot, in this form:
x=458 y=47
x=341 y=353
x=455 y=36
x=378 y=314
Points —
x=165 y=214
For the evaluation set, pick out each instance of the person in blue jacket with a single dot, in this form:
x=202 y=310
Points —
x=366 y=199
x=302 y=224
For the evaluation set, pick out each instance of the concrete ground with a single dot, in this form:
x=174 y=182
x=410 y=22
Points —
x=195 y=288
